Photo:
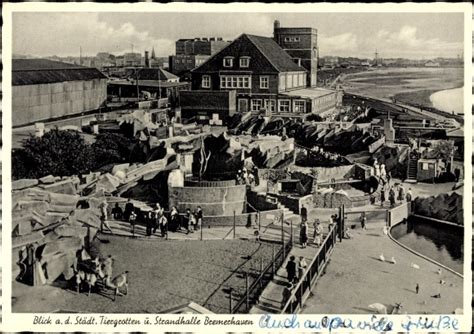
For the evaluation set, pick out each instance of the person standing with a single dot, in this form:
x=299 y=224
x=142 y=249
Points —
x=117 y=212
x=417 y=288
x=318 y=231
x=103 y=217
x=363 y=221
x=382 y=196
x=389 y=177
x=401 y=192
x=129 y=208
x=302 y=265
x=187 y=220
x=391 y=196
x=164 y=226
x=304 y=234
x=132 y=219
x=291 y=269
x=409 y=195
x=199 y=217
x=304 y=214
x=175 y=224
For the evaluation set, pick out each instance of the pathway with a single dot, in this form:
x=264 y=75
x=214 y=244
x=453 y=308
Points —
x=356 y=278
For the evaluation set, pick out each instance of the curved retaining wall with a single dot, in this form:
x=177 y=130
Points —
x=214 y=201
x=397 y=221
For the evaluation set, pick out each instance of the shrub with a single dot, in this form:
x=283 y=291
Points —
x=61 y=153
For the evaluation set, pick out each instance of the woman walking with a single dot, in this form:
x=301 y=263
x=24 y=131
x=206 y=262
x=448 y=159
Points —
x=318 y=231
x=304 y=234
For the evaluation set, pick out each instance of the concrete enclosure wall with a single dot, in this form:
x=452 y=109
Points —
x=215 y=201
x=33 y=103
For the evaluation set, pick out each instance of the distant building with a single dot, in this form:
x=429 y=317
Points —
x=302 y=45
x=132 y=59
x=45 y=90
x=191 y=53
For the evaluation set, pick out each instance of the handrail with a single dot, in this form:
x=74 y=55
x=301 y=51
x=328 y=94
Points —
x=290 y=300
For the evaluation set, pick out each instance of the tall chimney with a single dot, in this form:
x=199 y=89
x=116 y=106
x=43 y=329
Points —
x=147 y=60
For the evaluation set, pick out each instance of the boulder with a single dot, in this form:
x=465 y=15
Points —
x=121 y=167
x=62 y=187
x=24 y=183
x=49 y=179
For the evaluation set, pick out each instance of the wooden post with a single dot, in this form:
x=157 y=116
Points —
x=291 y=231
x=283 y=235
x=234 y=225
x=309 y=279
x=230 y=300
x=273 y=260
x=301 y=296
x=261 y=272
x=247 y=303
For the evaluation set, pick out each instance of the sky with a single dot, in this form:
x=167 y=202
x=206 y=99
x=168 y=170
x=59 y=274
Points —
x=407 y=35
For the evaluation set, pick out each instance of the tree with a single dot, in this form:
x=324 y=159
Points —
x=442 y=150
x=61 y=153
x=111 y=148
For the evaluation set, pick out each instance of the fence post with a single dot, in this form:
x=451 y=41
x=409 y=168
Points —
x=234 y=225
x=247 y=291
x=261 y=272
x=283 y=235
x=309 y=278
x=273 y=260
x=258 y=218
x=301 y=295
x=230 y=300
x=291 y=229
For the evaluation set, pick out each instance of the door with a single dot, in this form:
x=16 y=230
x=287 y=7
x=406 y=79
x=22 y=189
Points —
x=243 y=105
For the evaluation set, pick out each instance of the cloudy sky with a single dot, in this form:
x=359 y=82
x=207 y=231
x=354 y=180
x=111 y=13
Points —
x=409 y=35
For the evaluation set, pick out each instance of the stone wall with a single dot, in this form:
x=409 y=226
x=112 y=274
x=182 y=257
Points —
x=215 y=201
x=327 y=173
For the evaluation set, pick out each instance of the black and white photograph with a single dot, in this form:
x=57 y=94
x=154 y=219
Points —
x=240 y=161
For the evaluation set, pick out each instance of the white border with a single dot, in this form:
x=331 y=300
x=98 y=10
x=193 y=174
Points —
x=16 y=322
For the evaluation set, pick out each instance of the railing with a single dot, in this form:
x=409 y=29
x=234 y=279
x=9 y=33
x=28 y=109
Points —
x=252 y=291
x=302 y=290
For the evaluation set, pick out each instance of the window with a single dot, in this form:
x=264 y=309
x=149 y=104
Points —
x=206 y=81
x=292 y=39
x=256 y=105
x=299 y=106
x=269 y=105
x=284 y=105
x=235 y=81
x=289 y=81
x=244 y=61
x=425 y=166
x=264 y=82
x=282 y=82
x=295 y=80
x=301 y=79
x=228 y=62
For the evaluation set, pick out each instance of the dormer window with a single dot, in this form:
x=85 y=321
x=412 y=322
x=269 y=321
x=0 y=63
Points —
x=244 y=62
x=228 y=61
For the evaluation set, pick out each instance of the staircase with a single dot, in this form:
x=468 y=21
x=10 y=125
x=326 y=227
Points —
x=412 y=169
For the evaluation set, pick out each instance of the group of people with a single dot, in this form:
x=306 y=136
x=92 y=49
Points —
x=247 y=177
x=317 y=228
x=157 y=218
x=396 y=193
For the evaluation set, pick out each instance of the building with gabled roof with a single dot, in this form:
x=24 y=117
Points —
x=45 y=90
x=265 y=77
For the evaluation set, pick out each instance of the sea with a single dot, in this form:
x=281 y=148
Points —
x=449 y=100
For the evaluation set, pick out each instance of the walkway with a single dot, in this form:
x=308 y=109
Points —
x=271 y=297
x=356 y=278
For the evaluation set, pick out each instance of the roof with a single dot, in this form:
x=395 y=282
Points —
x=43 y=71
x=309 y=92
x=157 y=74
x=275 y=54
x=267 y=56
x=148 y=83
